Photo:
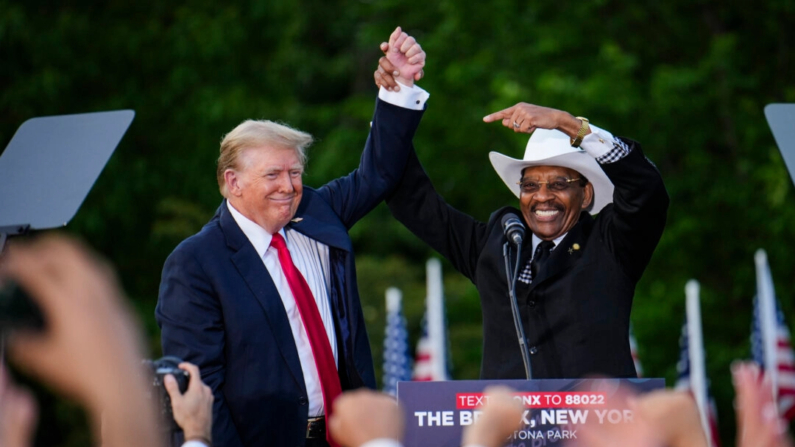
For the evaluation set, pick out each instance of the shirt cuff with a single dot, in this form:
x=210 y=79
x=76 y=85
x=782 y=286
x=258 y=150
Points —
x=598 y=142
x=382 y=442
x=407 y=97
x=601 y=145
x=194 y=444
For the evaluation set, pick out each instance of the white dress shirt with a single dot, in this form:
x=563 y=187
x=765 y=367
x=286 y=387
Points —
x=599 y=143
x=311 y=258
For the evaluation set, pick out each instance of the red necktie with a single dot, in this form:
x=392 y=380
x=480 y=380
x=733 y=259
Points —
x=315 y=330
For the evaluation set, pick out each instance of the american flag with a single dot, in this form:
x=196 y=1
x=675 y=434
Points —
x=785 y=360
x=397 y=362
x=691 y=369
x=423 y=358
x=633 y=347
x=683 y=365
x=432 y=361
x=427 y=366
x=683 y=384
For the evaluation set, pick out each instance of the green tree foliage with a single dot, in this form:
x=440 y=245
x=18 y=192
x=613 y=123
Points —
x=687 y=79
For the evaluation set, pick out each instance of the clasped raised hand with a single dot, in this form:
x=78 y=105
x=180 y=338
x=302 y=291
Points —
x=403 y=61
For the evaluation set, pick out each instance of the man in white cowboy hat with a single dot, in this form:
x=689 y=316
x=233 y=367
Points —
x=596 y=208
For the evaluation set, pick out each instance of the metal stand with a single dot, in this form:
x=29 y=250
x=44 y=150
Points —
x=517 y=319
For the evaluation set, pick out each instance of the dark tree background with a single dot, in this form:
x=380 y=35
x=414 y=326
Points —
x=689 y=79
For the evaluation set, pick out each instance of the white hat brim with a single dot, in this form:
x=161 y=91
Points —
x=510 y=171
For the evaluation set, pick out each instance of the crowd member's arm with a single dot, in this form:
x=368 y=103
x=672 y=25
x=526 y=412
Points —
x=193 y=411
x=397 y=115
x=640 y=202
x=758 y=421
x=18 y=413
x=365 y=418
x=664 y=417
x=90 y=349
x=501 y=416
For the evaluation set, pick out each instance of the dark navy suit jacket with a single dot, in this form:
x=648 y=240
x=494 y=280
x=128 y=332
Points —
x=218 y=307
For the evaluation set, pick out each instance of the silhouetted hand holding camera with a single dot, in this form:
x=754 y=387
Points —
x=193 y=410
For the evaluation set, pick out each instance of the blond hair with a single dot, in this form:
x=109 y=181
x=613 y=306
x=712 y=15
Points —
x=258 y=133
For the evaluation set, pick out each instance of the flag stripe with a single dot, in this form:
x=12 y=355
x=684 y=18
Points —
x=784 y=356
x=397 y=362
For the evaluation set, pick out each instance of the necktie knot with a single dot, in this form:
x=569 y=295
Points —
x=540 y=256
x=545 y=247
x=277 y=242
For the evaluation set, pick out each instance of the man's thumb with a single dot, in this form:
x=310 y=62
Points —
x=171 y=386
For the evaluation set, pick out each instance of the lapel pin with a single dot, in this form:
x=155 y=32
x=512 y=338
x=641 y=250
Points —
x=297 y=219
x=575 y=246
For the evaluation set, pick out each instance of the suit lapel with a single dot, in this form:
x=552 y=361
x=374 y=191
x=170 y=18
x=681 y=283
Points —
x=321 y=226
x=331 y=235
x=249 y=265
x=566 y=254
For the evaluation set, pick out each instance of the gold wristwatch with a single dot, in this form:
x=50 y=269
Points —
x=575 y=142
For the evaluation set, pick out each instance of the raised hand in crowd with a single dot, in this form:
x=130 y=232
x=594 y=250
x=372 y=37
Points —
x=403 y=61
x=17 y=413
x=193 y=411
x=363 y=415
x=90 y=349
x=758 y=421
x=664 y=417
x=501 y=416
x=671 y=418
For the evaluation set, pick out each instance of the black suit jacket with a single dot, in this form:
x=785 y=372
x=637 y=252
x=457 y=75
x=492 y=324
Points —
x=576 y=311
x=219 y=308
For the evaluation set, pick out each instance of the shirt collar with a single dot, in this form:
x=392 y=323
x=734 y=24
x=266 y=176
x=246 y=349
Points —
x=257 y=235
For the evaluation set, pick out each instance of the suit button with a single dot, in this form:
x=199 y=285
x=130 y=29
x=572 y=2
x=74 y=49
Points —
x=533 y=350
x=302 y=400
x=532 y=304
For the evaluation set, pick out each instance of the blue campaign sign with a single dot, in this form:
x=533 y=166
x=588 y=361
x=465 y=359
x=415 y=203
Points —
x=437 y=412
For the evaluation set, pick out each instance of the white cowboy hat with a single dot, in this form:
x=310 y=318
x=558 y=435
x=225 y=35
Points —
x=553 y=148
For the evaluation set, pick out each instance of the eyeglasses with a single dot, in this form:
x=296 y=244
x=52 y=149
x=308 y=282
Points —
x=532 y=186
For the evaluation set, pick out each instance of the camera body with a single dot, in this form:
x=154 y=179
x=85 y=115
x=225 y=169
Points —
x=158 y=369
